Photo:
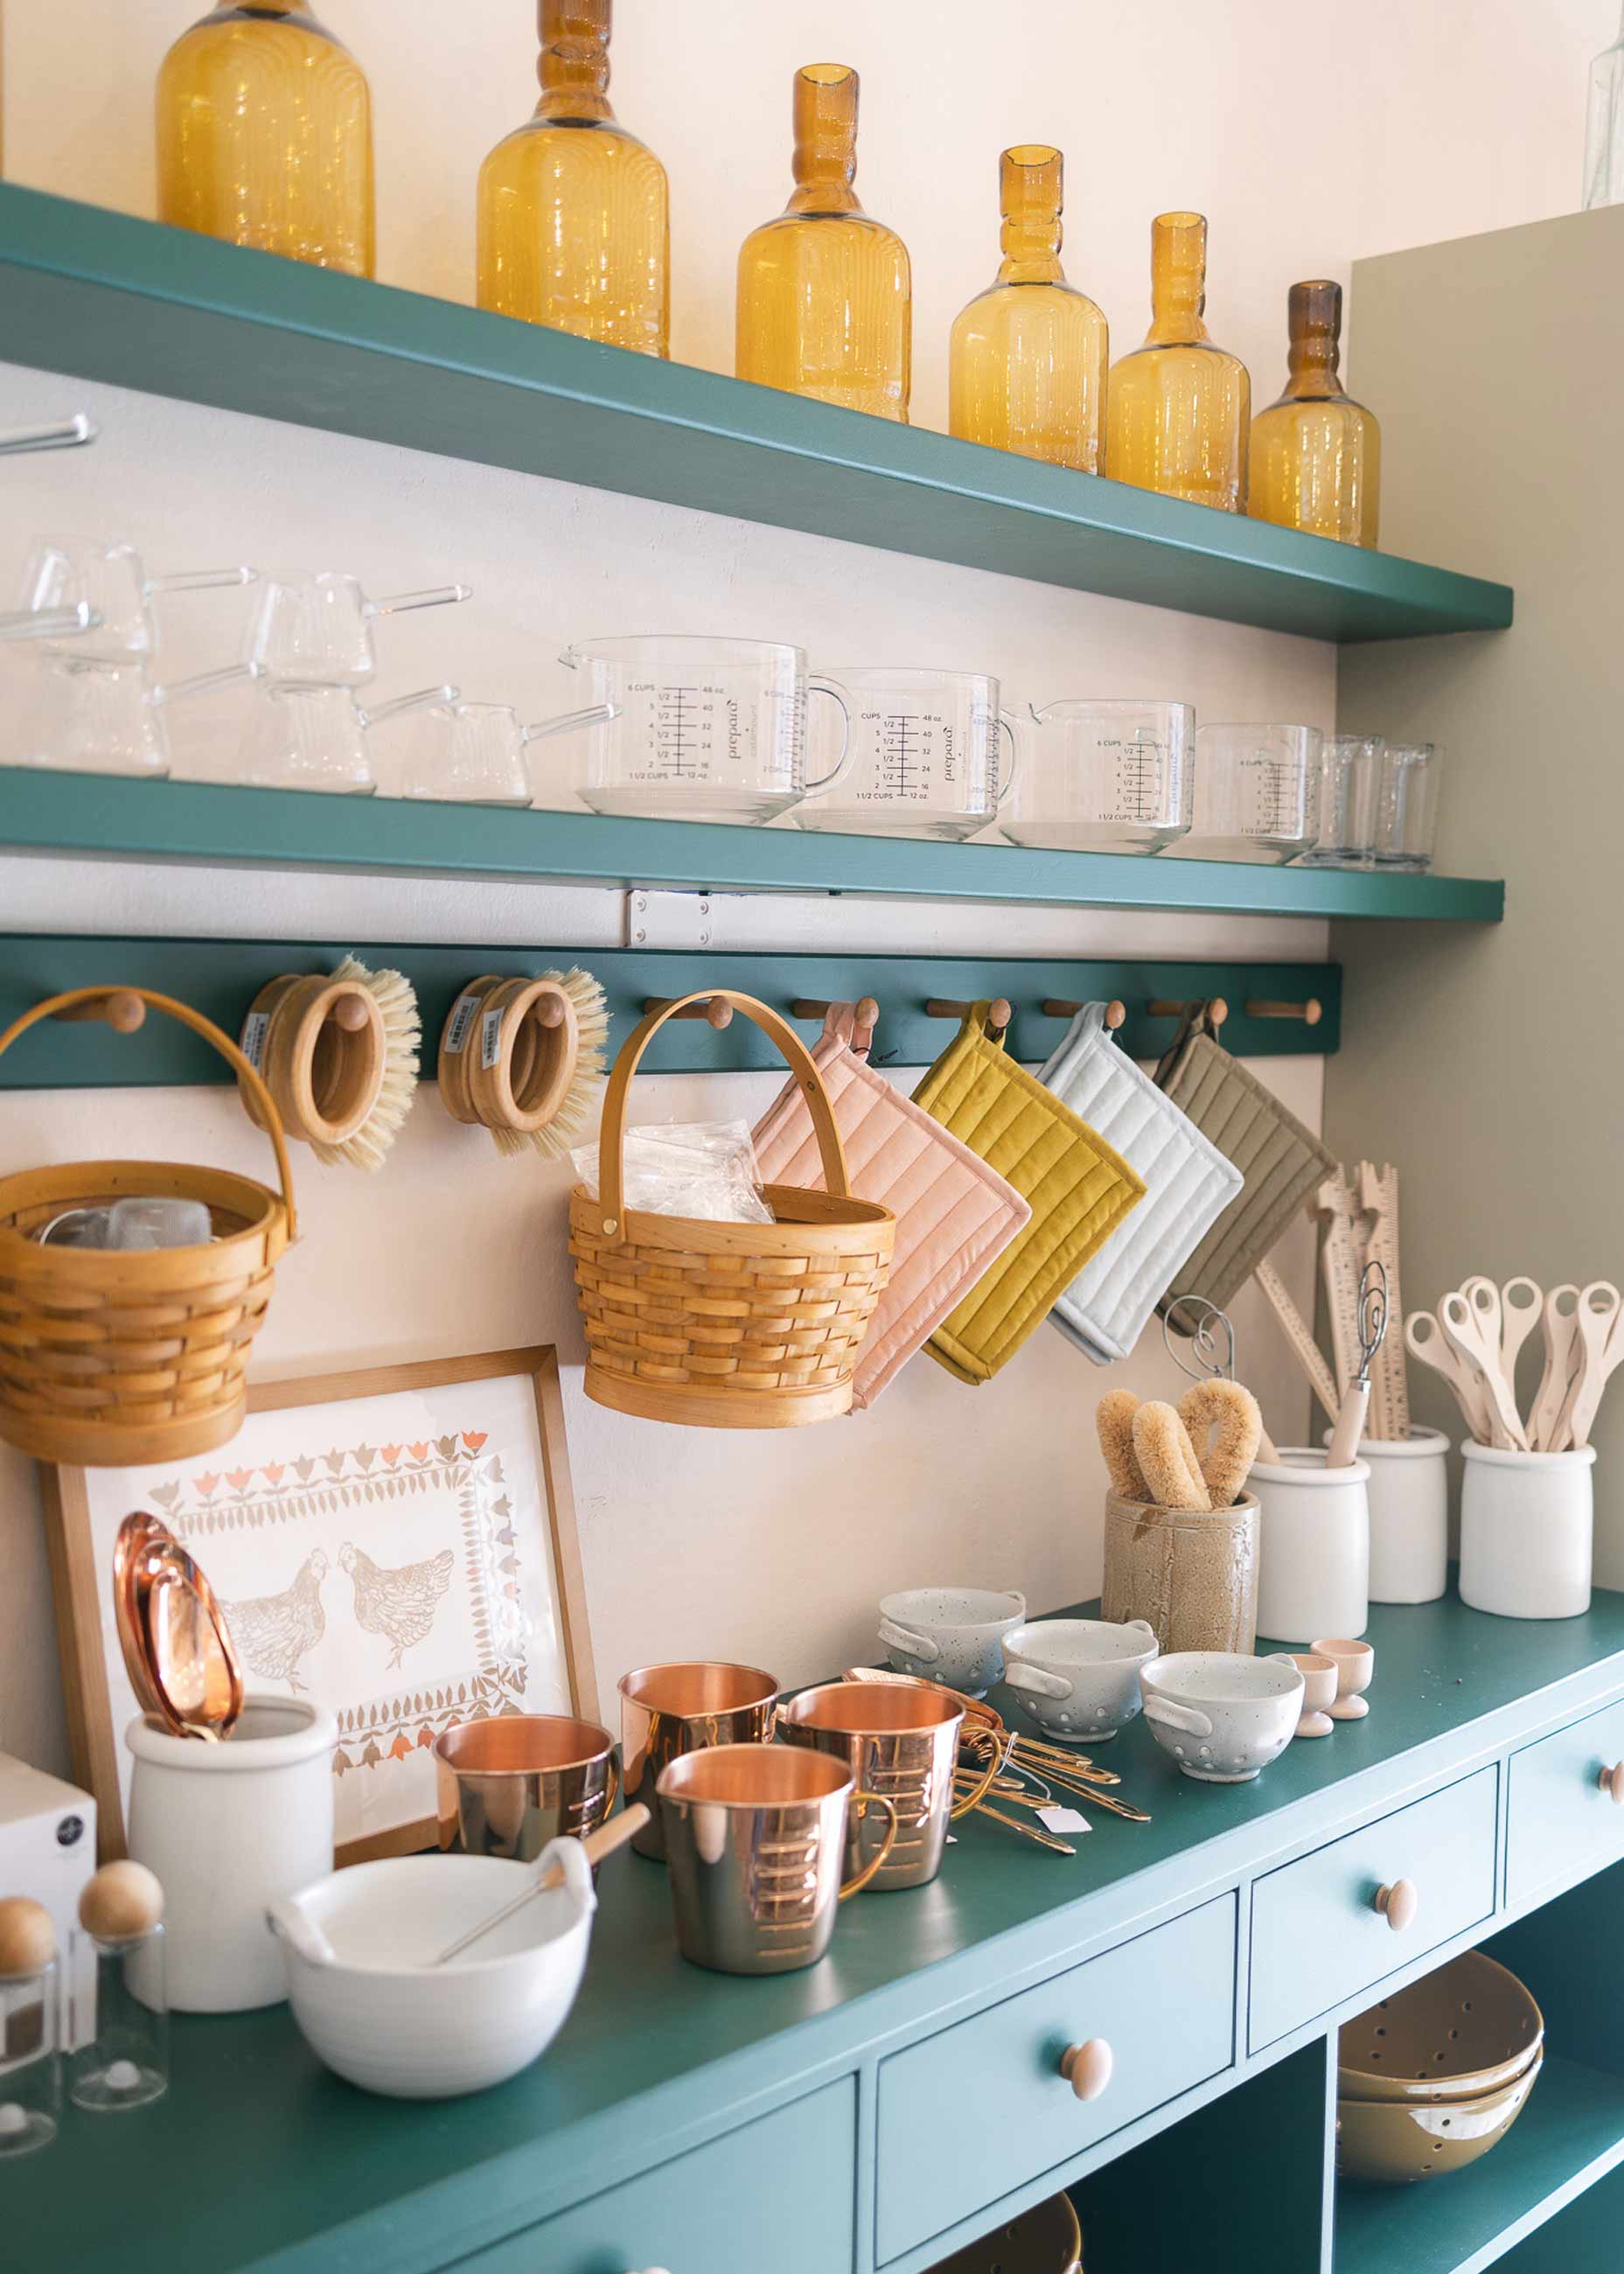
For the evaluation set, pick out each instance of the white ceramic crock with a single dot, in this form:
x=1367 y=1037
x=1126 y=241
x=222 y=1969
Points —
x=1221 y=1716
x=1526 y=1526
x=368 y=2001
x=228 y=1828
x=1313 y=1546
x=1408 y=1495
x=953 y=1635
x=1079 y=1677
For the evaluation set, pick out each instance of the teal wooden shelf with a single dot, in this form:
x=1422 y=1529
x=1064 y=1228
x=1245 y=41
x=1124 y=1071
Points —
x=101 y=296
x=46 y=812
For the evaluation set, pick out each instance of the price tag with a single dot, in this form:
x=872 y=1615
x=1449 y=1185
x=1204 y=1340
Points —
x=490 y=1039
x=252 y=1044
x=461 y=1018
x=1063 y=1820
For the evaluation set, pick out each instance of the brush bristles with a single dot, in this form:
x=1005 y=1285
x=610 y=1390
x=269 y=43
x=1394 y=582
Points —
x=402 y=1036
x=584 y=1099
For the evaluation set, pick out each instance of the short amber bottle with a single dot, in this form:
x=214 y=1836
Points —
x=825 y=295
x=574 y=212
x=1316 y=453
x=264 y=137
x=1026 y=364
x=1180 y=407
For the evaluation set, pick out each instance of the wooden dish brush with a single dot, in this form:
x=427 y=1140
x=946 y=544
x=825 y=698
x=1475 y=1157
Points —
x=339 y=1055
x=524 y=1059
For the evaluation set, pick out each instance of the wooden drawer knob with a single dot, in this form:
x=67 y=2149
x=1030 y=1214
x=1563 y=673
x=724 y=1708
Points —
x=1398 y=1903
x=1611 y=1782
x=1086 y=2068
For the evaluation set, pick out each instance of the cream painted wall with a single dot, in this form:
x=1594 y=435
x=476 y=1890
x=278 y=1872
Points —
x=1433 y=119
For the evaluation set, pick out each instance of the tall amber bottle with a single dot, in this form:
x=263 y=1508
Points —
x=265 y=135
x=825 y=294
x=1027 y=363
x=574 y=226
x=1316 y=453
x=1180 y=407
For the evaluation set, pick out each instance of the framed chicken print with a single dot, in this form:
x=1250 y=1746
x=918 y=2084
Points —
x=399 y=1545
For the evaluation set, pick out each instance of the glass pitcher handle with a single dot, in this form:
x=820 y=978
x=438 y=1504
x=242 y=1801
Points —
x=847 y=759
x=200 y=580
x=49 y=623
x=571 y=722
x=427 y=698
x=399 y=604
x=1009 y=723
x=176 y=690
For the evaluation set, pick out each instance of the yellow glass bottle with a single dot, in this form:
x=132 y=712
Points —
x=574 y=226
x=825 y=294
x=1316 y=453
x=264 y=137
x=1027 y=363
x=1180 y=407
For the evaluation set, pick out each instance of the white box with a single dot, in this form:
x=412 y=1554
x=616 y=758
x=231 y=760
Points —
x=48 y=1850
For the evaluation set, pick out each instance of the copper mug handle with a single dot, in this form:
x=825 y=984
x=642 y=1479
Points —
x=613 y=1793
x=860 y=1801
x=978 y=1793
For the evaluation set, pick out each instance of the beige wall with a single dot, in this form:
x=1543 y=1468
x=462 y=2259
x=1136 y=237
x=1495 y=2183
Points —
x=1487 y=1066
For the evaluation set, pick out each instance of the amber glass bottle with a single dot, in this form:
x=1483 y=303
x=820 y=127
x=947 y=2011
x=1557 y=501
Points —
x=1316 y=453
x=265 y=135
x=574 y=225
x=825 y=296
x=1027 y=360
x=1180 y=407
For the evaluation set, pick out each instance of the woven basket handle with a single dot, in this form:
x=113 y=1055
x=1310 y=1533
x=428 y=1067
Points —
x=270 y=1120
x=612 y=1137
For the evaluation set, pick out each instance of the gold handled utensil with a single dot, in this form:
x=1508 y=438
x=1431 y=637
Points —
x=595 y=1847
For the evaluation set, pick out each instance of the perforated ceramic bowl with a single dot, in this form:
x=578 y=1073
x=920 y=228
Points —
x=1396 y=2142
x=1466 y=2029
x=1045 y=2240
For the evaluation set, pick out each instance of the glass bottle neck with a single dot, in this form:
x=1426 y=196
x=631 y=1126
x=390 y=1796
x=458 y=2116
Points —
x=1313 y=352
x=574 y=64
x=1030 y=187
x=825 y=127
x=1177 y=281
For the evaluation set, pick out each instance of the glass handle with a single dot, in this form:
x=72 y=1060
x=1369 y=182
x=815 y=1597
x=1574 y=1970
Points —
x=843 y=765
x=49 y=623
x=427 y=698
x=1010 y=722
x=569 y=722
x=53 y=434
x=178 y=689
x=399 y=604
x=201 y=580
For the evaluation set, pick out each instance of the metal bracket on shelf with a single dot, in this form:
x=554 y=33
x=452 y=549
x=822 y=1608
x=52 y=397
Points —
x=665 y=919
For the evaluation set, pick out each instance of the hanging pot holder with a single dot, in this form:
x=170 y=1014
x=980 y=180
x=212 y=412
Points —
x=1188 y=1184
x=1283 y=1163
x=955 y=1216
x=1079 y=1188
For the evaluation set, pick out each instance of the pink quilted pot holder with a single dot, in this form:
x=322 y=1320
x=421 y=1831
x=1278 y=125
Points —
x=955 y=1216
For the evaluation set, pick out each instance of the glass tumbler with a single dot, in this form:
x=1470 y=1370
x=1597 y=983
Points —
x=1255 y=788
x=1345 y=803
x=1407 y=806
x=1103 y=776
x=30 y=2060
x=703 y=729
x=127 y=2062
x=924 y=755
x=474 y=753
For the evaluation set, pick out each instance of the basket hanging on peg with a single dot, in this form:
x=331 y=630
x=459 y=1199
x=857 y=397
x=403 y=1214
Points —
x=524 y=1059
x=338 y=1053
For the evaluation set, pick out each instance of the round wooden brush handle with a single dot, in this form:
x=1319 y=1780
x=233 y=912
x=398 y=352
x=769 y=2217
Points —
x=532 y=1049
x=323 y=1056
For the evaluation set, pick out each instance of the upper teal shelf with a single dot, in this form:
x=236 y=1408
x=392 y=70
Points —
x=103 y=297
x=106 y=816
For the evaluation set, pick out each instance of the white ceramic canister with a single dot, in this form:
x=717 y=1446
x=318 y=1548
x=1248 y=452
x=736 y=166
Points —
x=1313 y=1546
x=228 y=1828
x=1526 y=1526
x=1409 y=1494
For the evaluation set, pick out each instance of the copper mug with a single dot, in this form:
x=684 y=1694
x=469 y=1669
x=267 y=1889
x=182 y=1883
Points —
x=510 y=1785
x=666 y=1711
x=895 y=1738
x=755 y=1837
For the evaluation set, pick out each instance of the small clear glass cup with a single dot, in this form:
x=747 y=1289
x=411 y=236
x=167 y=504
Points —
x=1255 y=788
x=30 y=2060
x=1349 y=772
x=108 y=588
x=925 y=756
x=703 y=729
x=318 y=631
x=127 y=2062
x=1407 y=806
x=314 y=738
x=87 y=717
x=474 y=753
x=1103 y=776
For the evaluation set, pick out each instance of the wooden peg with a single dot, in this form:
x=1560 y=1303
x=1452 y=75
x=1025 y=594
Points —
x=867 y=1014
x=118 y=1009
x=1217 y=1010
x=714 y=1013
x=1310 y=1013
x=998 y=1016
x=350 y=1012
x=1115 y=1012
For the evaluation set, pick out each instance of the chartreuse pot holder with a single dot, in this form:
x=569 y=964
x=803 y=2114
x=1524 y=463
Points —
x=1078 y=1187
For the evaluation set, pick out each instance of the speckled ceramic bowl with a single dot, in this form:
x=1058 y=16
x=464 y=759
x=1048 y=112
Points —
x=1045 y=2240
x=1396 y=2142
x=1079 y=1677
x=953 y=1635
x=1223 y=1716
x=1468 y=2029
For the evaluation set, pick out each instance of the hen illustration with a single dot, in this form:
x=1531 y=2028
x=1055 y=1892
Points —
x=273 y=1632
x=400 y=1603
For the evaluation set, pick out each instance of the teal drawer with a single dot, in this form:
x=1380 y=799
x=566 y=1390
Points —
x=1562 y=1824
x=969 y=2115
x=777 y=2197
x=1317 y=1935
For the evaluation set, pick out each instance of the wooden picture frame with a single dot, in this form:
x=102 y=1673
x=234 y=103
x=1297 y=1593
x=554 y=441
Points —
x=78 y=1503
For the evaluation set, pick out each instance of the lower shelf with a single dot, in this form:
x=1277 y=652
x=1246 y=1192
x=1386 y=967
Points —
x=1569 y=2134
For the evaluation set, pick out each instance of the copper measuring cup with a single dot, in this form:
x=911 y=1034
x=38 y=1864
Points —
x=666 y=1711
x=901 y=1742
x=510 y=1785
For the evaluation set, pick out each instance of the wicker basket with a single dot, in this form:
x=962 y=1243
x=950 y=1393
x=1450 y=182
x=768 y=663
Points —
x=110 y=1359
x=727 y=1326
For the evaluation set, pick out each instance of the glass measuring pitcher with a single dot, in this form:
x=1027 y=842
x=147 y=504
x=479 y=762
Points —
x=924 y=756
x=702 y=729
x=319 y=631
x=474 y=753
x=1256 y=792
x=105 y=594
x=315 y=737
x=1103 y=776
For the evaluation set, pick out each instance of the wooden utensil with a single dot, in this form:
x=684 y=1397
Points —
x=1560 y=1318
x=595 y=1847
x=1520 y=1304
x=1600 y=1349
x=1474 y=1337
x=1425 y=1339
x=1299 y=1334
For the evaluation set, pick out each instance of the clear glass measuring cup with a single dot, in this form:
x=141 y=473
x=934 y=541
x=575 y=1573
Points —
x=1256 y=792
x=315 y=737
x=1103 y=776
x=318 y=632
x=702 y=729
x=104 y=595
x=86 y=717
x=924 y=755
x=474 y=753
